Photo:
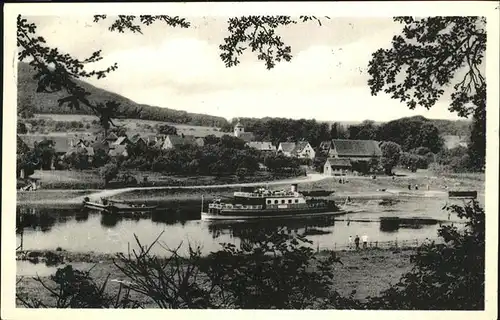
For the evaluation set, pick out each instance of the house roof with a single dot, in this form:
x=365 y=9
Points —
x=262 y=145
x=61 y=144
x=300 y=146
x=336 y=162
x=246 y=136
x=137 y=138
x=119 y=150
x=120 y=140
x=179 y=140
x=366 y=148
x=287 y=146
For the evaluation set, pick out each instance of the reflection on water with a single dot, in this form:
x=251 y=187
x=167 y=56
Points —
x=83 y=230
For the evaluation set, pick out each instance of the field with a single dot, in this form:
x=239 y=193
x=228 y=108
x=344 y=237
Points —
x=133 y=126
x=422 y=178
x=365 y=272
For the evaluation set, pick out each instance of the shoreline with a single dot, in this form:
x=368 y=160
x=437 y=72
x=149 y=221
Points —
x=366 y=272
x=66 y=256
x=43 y=199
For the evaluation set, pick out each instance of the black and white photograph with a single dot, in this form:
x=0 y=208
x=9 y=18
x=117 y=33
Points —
x=234 y=158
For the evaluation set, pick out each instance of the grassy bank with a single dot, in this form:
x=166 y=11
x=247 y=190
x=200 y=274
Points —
x=90 y=179
x=421 y=178
x=364 y=272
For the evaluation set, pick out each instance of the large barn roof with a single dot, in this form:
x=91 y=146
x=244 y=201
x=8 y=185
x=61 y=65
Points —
x=366 y=148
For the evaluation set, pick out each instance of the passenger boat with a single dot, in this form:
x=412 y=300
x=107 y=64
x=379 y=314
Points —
x=262 y=203
x=116 y=206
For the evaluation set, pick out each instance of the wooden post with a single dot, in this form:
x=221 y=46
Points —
x=201 y=203
x=376 y=244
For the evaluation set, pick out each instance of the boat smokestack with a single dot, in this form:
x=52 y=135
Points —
x=294 y=187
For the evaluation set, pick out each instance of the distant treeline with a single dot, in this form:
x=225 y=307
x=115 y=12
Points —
x=270 y=129
x=410 y=133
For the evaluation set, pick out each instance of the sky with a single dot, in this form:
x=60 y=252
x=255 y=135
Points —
x=181 y=68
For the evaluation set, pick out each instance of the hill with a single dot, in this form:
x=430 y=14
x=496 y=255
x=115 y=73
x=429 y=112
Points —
x=46 y=103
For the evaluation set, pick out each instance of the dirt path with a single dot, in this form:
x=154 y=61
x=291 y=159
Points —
x=113 y=192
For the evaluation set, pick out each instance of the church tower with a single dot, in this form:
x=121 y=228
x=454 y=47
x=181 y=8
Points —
x=238 y=129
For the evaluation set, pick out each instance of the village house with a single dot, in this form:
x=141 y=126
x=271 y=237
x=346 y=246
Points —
x=286 y=148
x=100 y=145
x=112 y=137
x=239 y=132
x=337 y=167
x=173 y=141
x=121 y=141
x=153 y=139
x=303 y=150
x=82 y=149
x=118 y=150
x=345 y=154
x=262 y=146
x=79 y=139
x=61 y=144
x=138 y=141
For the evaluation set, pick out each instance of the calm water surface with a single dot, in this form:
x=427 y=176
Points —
x=82 y=230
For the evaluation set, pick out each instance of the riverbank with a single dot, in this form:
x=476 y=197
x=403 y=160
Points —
x=365 y=272
x=357 y=188
x=91 y=179
x=44 y=197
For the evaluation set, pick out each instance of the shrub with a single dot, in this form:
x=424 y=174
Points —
x=108 y=172
x=73 y=288
x=447 y=276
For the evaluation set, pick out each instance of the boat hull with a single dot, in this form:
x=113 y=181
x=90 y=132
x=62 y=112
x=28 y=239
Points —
x=117 y=208
x=268 y=215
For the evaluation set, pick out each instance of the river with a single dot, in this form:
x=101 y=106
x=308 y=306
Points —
x=86 y=231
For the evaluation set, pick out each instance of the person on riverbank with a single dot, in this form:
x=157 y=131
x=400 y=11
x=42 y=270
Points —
x=356 y=241
x=350 y=243
x=365 y=241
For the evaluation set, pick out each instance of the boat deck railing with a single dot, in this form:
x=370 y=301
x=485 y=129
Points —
x=265 y=195
x=235 y=206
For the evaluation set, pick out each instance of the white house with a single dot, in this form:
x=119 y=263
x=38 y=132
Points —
x=301 y=149
x=336 y=167
x=304 y=150
x=173 y=141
